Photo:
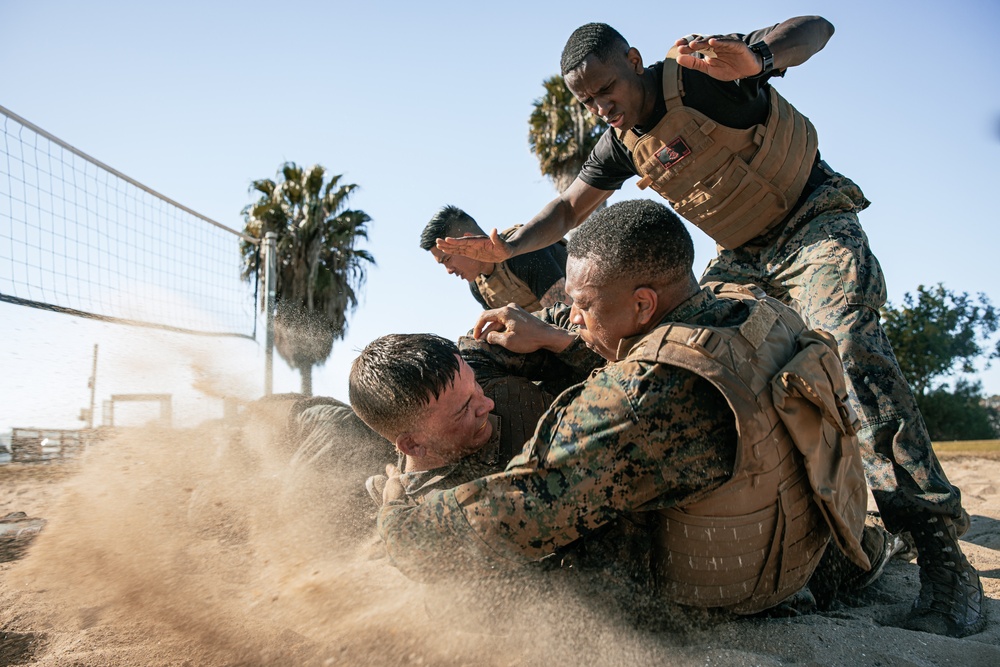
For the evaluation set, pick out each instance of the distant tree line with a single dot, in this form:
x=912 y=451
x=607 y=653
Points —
x=938 y=336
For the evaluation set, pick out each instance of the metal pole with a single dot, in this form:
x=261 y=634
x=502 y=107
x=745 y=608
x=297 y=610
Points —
x=93 y=389
x=270 y=280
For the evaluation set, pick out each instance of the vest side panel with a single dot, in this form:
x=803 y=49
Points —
x=502 y=287
x=755 y=540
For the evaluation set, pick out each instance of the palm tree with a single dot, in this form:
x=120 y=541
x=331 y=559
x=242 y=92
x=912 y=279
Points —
x=320 y=269
x=562 y=132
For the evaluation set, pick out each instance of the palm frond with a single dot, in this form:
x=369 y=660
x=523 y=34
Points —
x=321 y=271
x=561 y=132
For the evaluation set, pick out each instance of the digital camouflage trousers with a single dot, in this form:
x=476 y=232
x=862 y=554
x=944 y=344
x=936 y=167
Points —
x=819 y=262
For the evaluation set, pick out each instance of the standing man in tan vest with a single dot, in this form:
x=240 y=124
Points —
x=707 y=131
x=533 y=281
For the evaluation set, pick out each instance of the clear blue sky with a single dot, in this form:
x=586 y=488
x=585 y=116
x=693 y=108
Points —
x=426 y=104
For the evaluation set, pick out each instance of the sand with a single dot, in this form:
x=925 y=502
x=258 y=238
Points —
x=183 y=548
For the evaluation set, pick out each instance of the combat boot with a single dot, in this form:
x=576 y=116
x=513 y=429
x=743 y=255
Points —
x=951 y=596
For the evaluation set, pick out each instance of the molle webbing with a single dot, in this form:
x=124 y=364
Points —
x=519 y=403
x=502 y=287
x=755 y=540
x=733 y=184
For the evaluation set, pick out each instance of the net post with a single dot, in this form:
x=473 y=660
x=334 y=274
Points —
x=270 y=278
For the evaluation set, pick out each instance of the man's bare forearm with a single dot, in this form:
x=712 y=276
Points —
x=796 y=40
x=558 y=217
x=551 y=224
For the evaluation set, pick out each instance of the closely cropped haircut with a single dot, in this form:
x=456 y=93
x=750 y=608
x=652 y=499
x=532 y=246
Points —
x=449 y=221
x=598 y=39
x=396 y=376
x=640 y=238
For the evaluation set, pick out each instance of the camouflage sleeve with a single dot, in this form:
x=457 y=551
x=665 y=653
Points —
x=433 y=540
x=602 y=449
x=558 y=371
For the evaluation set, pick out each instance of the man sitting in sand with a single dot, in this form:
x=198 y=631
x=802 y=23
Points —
x=718 y=431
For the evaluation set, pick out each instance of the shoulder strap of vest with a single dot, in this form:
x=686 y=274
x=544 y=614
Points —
x=758 y=325
x=628 y=137
x=753 y=331
x=673 y=86
x=673 y=91
x=751 y=292
x=661 y=345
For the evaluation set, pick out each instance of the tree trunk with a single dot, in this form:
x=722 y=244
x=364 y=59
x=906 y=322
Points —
x=307 y=379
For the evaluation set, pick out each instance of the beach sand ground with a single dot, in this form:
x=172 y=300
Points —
x=175 y=548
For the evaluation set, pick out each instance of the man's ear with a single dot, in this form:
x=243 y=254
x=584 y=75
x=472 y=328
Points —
x=408 y=446
x=644 y=301
x=635 y=59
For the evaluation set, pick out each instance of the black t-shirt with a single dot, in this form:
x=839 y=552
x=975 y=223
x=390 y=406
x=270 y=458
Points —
x=740 y=104
x=539 y=270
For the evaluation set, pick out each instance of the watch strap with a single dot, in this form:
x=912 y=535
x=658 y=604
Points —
x=761 y=49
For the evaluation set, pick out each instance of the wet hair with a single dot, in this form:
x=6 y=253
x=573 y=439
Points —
x=639 y=238
x=396 y=376
x=449 y=221
x=598 y=39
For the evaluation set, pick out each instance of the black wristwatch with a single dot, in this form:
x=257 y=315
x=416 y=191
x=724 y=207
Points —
x=761 y=49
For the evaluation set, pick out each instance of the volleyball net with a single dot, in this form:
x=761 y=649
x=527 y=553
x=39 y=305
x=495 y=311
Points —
x=79 y=237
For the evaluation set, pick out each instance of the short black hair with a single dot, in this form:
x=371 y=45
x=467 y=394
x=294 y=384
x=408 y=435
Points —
x=639 y=238
x=396 y=376
x=449 y=221
x=598 y=39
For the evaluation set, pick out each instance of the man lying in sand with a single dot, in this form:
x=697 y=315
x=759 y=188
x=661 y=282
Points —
x=329 y=452
x=718 y=432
